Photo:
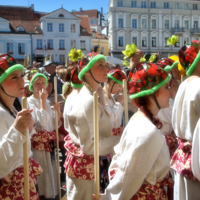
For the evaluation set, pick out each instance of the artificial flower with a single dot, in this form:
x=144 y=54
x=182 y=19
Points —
x=75 y=54
x=143 y=59
x=126 y=63
x=152 y=58
x=130 y=51
x=172 y=40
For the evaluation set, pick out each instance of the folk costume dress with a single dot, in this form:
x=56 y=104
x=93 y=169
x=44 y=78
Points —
x=185 y=121
x=43 y=147
x=80 y=149
x=11 y=150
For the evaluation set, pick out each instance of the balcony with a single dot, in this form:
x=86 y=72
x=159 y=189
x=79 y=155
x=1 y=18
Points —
x=195 y=31
x=178 y=30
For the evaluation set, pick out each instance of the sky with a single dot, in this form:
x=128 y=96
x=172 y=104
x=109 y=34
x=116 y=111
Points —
x=51 y=5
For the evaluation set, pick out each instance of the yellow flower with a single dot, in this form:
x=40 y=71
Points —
x=75 y=54
x=152 y=58
x=180 y=68
x=172 y=40
x=130 y=51
x=143 y=59
x=126 y=63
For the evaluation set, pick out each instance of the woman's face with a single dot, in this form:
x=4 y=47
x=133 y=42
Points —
x=49 y=88
x=175 y=73
x=39 y=84
x=14 y=84
x=99 y=70
x=117 y=88
x=163 y=96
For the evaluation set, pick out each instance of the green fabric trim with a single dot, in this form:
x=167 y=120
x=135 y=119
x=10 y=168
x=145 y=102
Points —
x=152 y=90
x=76 y=85
x=114 y=79
x=168 y=67
x=10 y=70
x=33 y=79
x=194 y=64
x=90 y=64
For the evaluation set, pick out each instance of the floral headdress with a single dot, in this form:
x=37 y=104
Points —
x=172 y=40
x=75 y=55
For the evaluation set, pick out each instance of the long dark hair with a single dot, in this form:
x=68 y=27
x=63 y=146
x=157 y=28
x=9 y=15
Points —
x=144 y=103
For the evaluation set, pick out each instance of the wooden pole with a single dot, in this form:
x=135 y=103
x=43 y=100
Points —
x=96 y=145
x=182 y=78
x=26 y=157
x=106 y=90
x=125 y=101
x=57 y=138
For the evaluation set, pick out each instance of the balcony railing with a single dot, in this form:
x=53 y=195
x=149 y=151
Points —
x=178 y=29
x=195 y=30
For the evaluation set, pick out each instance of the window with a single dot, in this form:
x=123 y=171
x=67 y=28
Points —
x=143 y=4
x=195 y=24
x=176 y=24
x=20 y=29
x=9 y=46
x=61 y=15
x=166 y=5
x=177 y=44
x=134 y=4
x=120 y=23
x=134 y=23
x=144 y=23
x=120 y=42
x=167 y=24
x=83 y=45
x=186 y=40
x=194 y=6
x=153 y=41
x=153 y=4
x=61 y=27
x=144 y=42
x=134 y=40
x=73 y=44
x=176 y=5
x=49 y=44
x=166 y=45
x=21 y=48
x=49 y=27
x=103 y=50
x=62 y=58
x=61 y=44
x=186 y=6
x=153 y=23
x=120 y=3
x=186 y=23
x=39 y=43
x=73 y=28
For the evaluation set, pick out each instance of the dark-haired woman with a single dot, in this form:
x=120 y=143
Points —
x=12 y=125
x=140 y=167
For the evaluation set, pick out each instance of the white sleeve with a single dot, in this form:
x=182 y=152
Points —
x=134 y=164
x=115 y=112
x=11 y=149
x=40 y=116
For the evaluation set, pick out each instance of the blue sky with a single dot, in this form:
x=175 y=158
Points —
x=51 y=5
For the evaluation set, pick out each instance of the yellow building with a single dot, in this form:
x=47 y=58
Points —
x=101 y=42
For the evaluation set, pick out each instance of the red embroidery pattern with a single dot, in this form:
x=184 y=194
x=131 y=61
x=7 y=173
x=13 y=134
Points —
x=42 y=140
x=150 y=192
x=117 y=131
x=78 y=164
x=181 y=160
x=12 y=185
x=171 y=143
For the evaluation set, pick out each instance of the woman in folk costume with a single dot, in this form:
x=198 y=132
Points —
x=165 y=115
x=13 y=123
x=140 y=166
x=80 y=148
x=115 y=108
x=42 y=142
x=186 y=123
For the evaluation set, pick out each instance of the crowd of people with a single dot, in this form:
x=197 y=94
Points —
x=155 y=156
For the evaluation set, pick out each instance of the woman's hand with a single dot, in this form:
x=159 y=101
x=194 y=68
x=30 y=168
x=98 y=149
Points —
x=120 y=99
x=43 y=94
x=23 y=120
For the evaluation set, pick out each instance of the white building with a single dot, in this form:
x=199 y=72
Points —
x=149 y=23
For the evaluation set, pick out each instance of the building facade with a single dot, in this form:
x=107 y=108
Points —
x=149 y=23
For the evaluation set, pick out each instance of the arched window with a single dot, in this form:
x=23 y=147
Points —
x=20 y=28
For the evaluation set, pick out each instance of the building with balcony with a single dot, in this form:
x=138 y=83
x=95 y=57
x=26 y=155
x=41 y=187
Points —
x=149 y=23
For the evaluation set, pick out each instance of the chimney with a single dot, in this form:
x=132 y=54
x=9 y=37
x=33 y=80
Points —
x=81 y=9
x=101 y=10
x=32 y=7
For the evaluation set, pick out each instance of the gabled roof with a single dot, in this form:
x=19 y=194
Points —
x=100 y=36
x=90 y=13
x=21 y=17
x=85 y=25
